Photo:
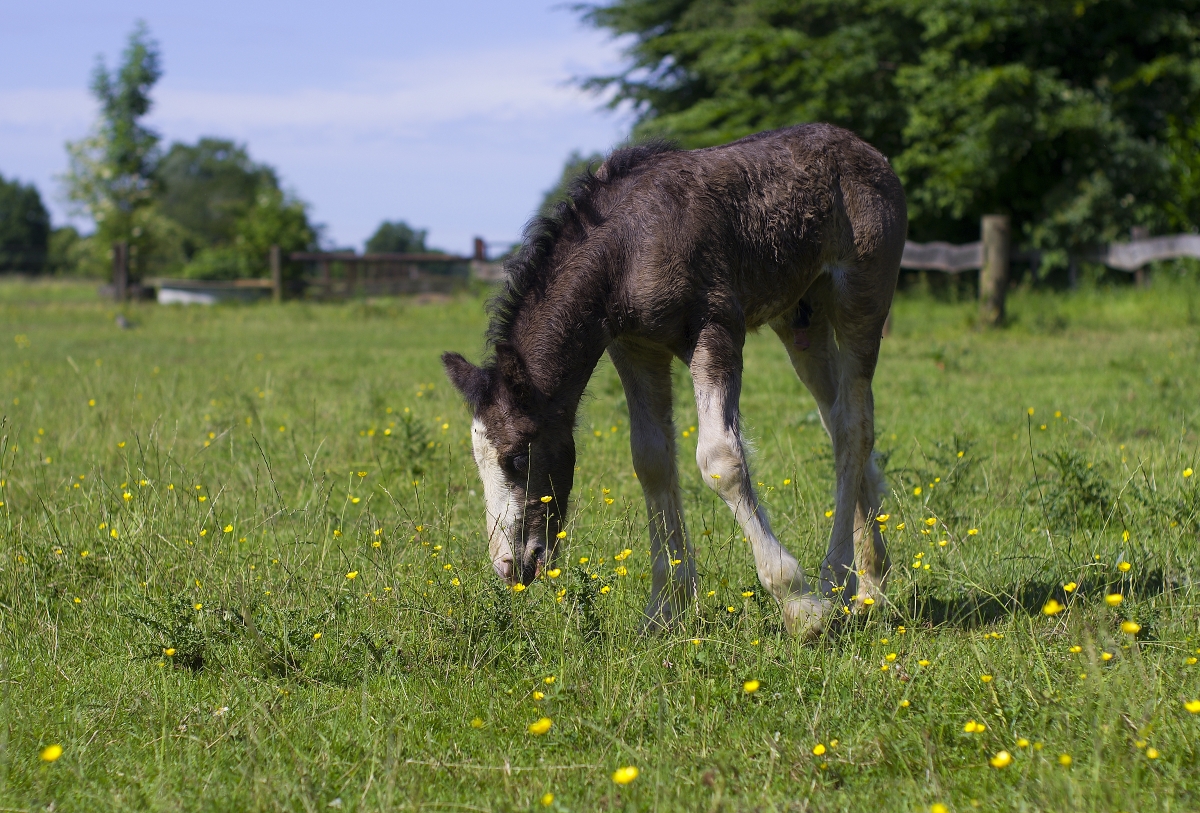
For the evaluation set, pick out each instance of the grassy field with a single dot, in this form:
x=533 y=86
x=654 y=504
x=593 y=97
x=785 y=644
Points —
x=242 y=568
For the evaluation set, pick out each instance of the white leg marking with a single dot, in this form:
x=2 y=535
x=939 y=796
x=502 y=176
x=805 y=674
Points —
x=721 y=457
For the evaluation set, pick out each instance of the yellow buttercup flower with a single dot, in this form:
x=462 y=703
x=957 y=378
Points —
x=51 y=752
x=1192 y=706
x=1065 y=760
x=938 y=807
x=548 y=680
x=518 y=587
x=623 y=776
x=541 y=726
x=1052 y=607
x=1002 y=759
x=1070 y=587
x=547 y=799
x=1114 y=599
x=228 y=529
x=1124 y=567
x=818 y=749
x=1131 y=627
x=352 y=575
x=476 y=723
x=547 y=498
x=751 y=686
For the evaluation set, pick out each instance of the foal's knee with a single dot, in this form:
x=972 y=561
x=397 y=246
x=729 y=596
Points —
x=653 y=460
x=720 y=461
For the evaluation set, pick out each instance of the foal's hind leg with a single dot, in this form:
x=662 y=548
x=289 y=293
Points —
x=717 y=373
x=646 y=375
x=857 y=559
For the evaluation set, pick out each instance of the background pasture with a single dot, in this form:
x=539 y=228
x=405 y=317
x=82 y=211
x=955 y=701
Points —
x=242 y=567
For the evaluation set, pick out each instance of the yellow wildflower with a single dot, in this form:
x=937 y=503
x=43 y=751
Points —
x=750 y=686
x=623 y=776
x=1052 y=607
x=1002 y=759
x=540 y=727
x=1064 y=760
x=1114 y=599
x=51 y=752
x=1131 y=627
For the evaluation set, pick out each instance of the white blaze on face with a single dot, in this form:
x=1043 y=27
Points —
x=503 y=508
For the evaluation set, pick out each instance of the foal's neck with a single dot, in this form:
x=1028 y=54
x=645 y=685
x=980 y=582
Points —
x=562 y=335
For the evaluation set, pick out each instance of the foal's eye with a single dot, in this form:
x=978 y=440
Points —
x=520 y=462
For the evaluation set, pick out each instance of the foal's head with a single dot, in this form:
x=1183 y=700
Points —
x=525 y=451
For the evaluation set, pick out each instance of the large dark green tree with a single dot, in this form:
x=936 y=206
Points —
x=24 y=227
x=1074 y=116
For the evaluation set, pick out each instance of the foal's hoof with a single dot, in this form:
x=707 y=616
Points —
x=807 y=616
x=870 y=594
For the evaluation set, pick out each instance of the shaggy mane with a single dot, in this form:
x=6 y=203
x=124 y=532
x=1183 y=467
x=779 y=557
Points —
x=528 y=270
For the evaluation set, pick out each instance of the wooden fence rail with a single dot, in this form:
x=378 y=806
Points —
x=992 y=255
x=341 y=274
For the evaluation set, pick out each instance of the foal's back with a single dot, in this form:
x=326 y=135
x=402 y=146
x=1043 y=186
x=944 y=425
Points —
x=741 y=231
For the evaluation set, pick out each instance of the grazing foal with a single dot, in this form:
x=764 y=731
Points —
x=665 y=254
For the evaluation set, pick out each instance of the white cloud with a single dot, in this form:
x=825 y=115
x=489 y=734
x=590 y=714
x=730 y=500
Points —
x=429 y=126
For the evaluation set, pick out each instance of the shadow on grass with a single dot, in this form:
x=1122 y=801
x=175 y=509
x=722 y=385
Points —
x=976 y=608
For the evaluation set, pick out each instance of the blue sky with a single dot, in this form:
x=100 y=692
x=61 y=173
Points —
x=454 y=116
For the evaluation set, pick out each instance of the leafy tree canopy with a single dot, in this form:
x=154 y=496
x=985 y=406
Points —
x=397 y=238
x=1077 y=117
x=209 y=186
x=24 y=227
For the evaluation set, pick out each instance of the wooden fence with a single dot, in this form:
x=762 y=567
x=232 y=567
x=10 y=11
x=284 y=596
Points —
x=341 y=274
x=992 y=256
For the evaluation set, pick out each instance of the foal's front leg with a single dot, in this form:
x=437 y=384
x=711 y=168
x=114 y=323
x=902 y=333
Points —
x=646 y=375
x=717 y=371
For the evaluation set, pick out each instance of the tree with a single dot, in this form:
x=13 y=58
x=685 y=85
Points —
x=397 y=238
x=576 y=164
x=208 y=187
x=111 y=175
x=273 y=219
x=1068 y=115
x=24 y=228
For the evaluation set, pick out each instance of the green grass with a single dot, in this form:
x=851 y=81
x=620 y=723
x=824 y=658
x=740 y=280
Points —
x=307 y=431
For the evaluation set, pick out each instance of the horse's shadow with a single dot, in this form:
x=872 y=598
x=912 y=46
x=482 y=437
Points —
x=975 y=608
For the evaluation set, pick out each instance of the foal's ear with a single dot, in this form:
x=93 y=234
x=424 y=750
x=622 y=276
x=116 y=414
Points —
x=514 y=374
x=469 y=380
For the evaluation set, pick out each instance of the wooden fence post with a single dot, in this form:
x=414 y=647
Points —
x=276 y=275
x=1141 y=275
x=120 y=251
x=993 y=276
